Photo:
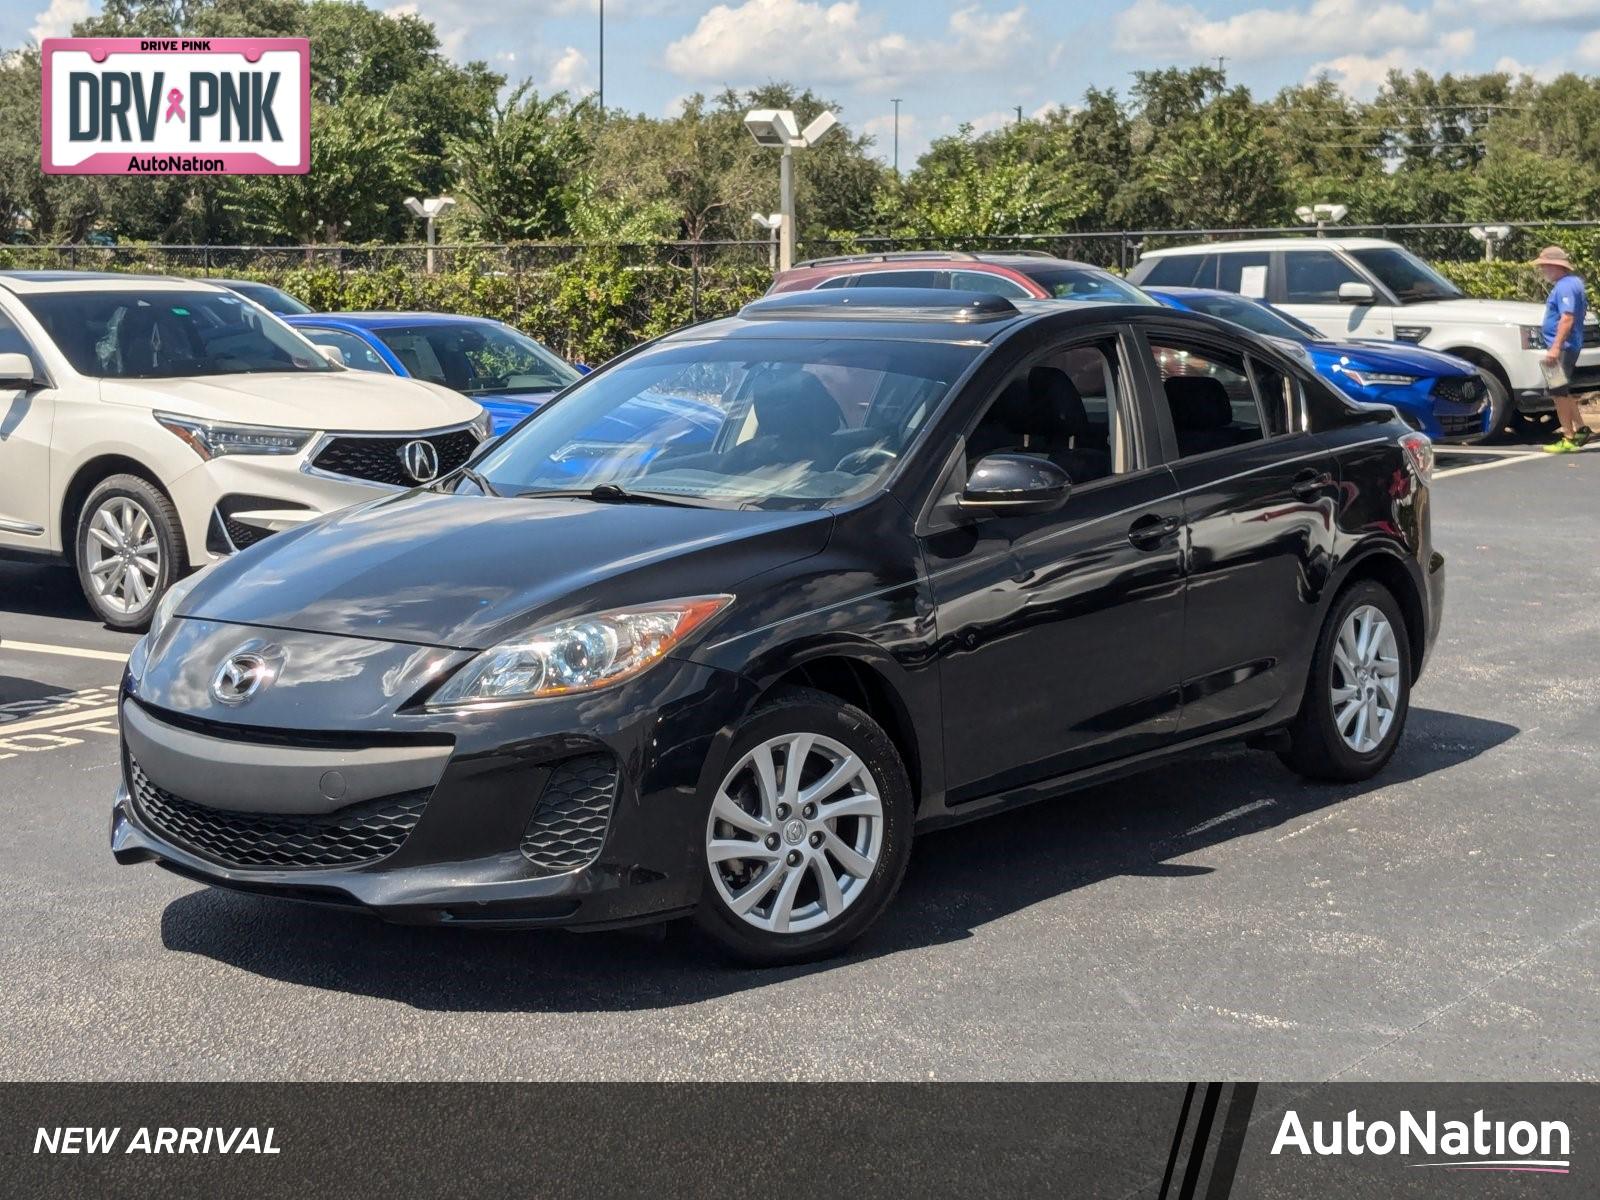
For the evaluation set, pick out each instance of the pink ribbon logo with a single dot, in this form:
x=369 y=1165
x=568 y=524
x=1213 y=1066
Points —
x=175 y=105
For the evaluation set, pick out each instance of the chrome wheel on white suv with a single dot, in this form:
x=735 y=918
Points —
x=129 y=550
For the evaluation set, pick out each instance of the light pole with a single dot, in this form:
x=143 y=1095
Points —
x=430 y=210
x=1321 y=215
x=772 y=223
x=778 y=127
x=896 y=102
x=602 y=57
x=1490 y=236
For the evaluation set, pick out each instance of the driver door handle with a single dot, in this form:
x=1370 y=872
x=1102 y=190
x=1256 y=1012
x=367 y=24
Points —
x=1310 y=484
x=1150 y=530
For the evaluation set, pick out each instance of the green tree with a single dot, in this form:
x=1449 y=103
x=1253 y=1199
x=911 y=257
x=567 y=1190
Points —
x=955 y=194
x=516 y=167
x=362 y=164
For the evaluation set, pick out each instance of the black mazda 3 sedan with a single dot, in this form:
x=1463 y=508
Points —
x=717 y=630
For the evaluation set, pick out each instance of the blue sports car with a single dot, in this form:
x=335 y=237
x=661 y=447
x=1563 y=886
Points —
x=1443 y=396
x=507 y=372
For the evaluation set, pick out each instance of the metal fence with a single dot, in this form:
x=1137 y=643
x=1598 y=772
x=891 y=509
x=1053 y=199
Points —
x=1117 y=249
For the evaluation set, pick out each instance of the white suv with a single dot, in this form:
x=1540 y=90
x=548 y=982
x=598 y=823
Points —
x=148 y=426
x=1370 y=288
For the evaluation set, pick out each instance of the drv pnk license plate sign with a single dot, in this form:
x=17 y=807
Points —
x=177 y=106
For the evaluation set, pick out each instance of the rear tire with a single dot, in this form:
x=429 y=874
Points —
x=129 y=550
x=1358 y=692
x=796 y=868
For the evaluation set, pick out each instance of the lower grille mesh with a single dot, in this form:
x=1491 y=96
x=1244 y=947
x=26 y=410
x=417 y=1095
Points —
x=569 y=826
x=353 y=836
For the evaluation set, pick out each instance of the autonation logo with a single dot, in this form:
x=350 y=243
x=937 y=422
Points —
x=1476 y=1145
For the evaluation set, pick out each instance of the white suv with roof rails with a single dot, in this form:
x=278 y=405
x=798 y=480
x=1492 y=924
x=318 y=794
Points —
x=149 y=426
x=1370 y=288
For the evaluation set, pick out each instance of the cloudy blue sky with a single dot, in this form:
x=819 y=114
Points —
x=965 y=60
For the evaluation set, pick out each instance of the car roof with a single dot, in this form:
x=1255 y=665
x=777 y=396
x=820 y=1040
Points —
x=30 y=282
x=1014 y=259
x=903 y=314
x=385 y=320
x=1278 y=243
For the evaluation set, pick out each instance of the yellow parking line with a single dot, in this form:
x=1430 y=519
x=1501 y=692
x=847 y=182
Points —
x=78 y=717
x=64 y=651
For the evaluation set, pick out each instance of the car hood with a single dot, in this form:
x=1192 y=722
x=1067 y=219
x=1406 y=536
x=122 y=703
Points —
x=1471 y=312
x=344 y=401
x=1396 y=357
x=469 y=571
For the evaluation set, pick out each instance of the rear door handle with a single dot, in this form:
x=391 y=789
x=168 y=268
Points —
x=1149 y=531
x=1310 y=484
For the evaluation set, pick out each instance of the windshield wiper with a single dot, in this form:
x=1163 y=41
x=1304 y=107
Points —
x=484 y=486
x=607 y=493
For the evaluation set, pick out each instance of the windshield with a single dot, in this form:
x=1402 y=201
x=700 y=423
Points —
x=124 y=334
x=278 y=303
x=1085 y=283
x=1407 y=276
x=480 y=358
x=1257 y=318
x=781 y=422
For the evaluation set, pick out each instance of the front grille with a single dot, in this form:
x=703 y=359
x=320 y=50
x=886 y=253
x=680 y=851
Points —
x=569 y=826
x=377 y=459
x=354 y=836
x=1467 y=391
x=242 y=535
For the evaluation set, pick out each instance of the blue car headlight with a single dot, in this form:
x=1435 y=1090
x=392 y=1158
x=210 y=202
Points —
x=1379 y=379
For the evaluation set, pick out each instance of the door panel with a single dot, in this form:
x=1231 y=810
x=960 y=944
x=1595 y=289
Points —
x=1060 y=637
x=1260 y=524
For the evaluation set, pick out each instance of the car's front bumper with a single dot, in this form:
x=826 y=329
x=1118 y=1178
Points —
x=571 y=812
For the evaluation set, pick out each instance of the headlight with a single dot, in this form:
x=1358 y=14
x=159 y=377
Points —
x=1532 y=337
x=1379 y=379
x=581 y=655
x=161 y=619
x=210 y=440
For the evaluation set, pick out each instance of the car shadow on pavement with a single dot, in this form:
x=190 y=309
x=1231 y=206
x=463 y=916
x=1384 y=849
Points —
x=959 y=880
x=43 y=589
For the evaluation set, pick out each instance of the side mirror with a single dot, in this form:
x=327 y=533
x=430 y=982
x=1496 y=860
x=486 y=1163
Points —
x=332 y=353
x=582 y=368
x=1356 y=293
x=1015 y=484
x=16 y=371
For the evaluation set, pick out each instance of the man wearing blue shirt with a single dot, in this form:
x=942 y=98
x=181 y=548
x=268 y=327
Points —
x=1563 y=338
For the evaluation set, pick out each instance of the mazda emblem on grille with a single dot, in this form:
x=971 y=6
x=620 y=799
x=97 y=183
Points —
x=420 y=460
x=240 y=677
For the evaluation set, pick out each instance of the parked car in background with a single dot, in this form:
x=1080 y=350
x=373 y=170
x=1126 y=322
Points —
x=1370 y=288
x=1017 y=276
x=501 y=368
x=154 y=425
x=945 y=555
x=275 y=300
x=1445 y=397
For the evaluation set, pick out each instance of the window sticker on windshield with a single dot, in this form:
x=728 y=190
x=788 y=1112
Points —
x=1253 y=282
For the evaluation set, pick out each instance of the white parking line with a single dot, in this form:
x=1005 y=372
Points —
x=82 y=716
x=1501 y=451
x=64 y=651
x=1537 y=455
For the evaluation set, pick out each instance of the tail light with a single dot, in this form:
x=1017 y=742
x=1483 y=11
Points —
x=1419 y=453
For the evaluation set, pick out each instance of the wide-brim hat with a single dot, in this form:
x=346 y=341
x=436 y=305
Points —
x=1553 y=256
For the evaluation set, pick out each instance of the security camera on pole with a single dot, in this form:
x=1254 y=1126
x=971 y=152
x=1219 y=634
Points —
x=778 y=127
x=1490 y=236
x=430 y=210
x=1322 y=215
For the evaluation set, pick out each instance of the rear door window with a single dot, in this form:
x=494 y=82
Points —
x=984 y=281
x=1245 y=273
x=1210 y=394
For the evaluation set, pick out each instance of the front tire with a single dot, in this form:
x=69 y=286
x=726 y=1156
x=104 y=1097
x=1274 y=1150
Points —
x=807 y=837
x=129 y=550
x=1358 y=692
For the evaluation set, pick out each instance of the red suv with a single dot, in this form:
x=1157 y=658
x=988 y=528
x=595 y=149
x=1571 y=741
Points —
x=1014 y=276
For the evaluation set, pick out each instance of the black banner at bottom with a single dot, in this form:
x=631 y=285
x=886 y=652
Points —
x=1176 y=1141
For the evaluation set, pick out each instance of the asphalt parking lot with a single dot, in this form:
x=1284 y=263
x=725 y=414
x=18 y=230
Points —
x=1216 y=918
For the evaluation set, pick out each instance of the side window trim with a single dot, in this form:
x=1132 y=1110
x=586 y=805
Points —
x=1295 y=410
